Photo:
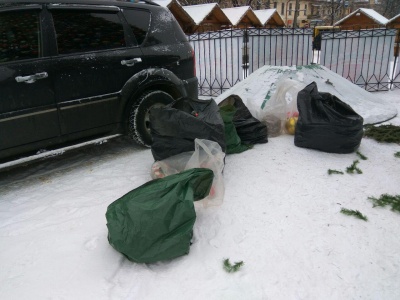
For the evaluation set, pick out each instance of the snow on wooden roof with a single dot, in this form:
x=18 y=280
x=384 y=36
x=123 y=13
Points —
x=266 y=15
x=167 y=3
x=164 y=3
x=236 y=14
x=372 y=14
x=395 y=19
x=199 y=12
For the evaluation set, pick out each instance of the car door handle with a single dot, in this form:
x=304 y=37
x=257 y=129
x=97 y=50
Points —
x=31 y=78
x=131 y=62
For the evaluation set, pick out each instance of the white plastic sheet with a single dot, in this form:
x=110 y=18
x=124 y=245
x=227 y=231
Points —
x=207 y=154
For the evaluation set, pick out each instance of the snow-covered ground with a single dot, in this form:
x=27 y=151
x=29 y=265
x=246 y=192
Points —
x=280 y=215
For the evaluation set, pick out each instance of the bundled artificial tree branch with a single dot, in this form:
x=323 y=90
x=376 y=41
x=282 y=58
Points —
x=228 y=267
x=330 y=172
x=361 y=156
x=355 y=213
x=384 y=133
x=353 y=168
x=385 y=200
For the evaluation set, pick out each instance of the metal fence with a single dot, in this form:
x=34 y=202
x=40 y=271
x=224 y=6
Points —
x=365 y=57
x=219 y=60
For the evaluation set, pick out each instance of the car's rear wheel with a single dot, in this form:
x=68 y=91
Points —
x=139 y=116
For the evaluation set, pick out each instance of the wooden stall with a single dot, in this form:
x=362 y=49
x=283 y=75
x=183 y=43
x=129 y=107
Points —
x=362 y=18
x=270 y=18
x=206 y=17
x=242 y=17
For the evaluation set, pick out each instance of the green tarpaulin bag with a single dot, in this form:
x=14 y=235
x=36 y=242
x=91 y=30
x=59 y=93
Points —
x=232 y=140
x=155 y=221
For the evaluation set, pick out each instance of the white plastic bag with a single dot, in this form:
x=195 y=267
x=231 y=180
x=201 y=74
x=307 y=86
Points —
x=207 y=154
x=171 y=165
x=281 y=106
x=289 y=89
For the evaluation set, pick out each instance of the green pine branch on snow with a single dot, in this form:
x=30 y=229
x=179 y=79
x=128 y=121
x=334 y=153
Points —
x=397 y=154
x=383 y=133
x=355 y=213
x=385 y=200
x=330 y=172
x=361 y=156
x=228 y=267
x=353 y=168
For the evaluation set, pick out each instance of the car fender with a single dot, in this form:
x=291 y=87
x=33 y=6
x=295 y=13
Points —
x=143 y=80
x=146 y=80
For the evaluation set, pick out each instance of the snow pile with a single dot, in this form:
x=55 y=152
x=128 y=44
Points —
x=261 y=85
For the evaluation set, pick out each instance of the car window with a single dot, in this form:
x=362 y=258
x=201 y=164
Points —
x=139 y=21
x=83 y=31
x=19 y=35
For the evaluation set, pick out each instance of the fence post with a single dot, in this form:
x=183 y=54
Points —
x=393 y=71
x=396 y=58
x=245 y=53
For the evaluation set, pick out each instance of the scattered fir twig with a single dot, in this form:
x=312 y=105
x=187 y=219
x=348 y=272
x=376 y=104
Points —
x=383 y=133
x=385 y=199
x=360 y=155
x=353 y=168
x=228 y=267
x=330 y=172
x=397 y=154
x=355 y=213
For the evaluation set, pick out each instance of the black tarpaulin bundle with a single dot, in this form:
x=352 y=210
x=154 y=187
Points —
x=326 y=123
x=250 y=130
x=155 y=221
x=175 y=127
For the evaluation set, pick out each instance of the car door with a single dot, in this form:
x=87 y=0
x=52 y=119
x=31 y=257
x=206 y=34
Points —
x=28 y=111
x=96 y=55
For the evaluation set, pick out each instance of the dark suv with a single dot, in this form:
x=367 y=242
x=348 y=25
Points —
x=77 y=70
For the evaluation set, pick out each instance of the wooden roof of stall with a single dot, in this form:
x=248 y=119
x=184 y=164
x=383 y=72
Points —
x=205 y=12
x=362 y=18
x=394 y=22
x=270 y=17
x=242 y=16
